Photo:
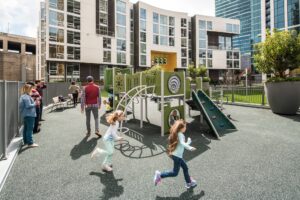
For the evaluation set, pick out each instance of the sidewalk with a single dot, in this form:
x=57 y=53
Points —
x=259 y=161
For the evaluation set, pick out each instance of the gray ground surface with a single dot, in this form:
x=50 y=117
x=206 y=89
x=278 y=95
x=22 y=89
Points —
x=259 y=161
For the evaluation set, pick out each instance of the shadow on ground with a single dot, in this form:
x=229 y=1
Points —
x=188 y=195
x=84 y=147
x=147 y=141
x=111 y=187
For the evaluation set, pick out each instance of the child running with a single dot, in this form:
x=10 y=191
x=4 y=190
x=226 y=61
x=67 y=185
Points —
x=176 y=148
x=109 y=139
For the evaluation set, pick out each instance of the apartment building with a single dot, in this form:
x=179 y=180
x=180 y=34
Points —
x=79 y=38
x=17 y=57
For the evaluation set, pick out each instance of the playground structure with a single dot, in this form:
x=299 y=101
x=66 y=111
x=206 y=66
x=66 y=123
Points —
x=170 y=90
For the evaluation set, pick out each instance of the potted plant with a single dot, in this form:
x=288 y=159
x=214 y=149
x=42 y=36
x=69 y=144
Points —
x=202 y=72
x=277 y=55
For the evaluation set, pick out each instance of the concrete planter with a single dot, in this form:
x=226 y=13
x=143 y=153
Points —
x=284 y=97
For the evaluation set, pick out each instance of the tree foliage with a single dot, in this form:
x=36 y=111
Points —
x=278 y=53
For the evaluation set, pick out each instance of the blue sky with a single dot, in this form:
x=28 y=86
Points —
x=21 y=16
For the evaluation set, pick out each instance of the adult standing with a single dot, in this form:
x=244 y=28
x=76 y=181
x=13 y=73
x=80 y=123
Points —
x=74 y=89
x=28 y=112
x=91 y=102
x=40 y=86
x=35 y=95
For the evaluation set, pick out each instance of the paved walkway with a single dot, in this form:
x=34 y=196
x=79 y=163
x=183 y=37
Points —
x=259 y=161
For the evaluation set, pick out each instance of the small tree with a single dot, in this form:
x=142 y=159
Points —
x=192 y=72
x=278 y=53
x=202 y=71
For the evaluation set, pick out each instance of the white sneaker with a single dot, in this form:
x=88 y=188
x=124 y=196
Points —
x=157 y=177
x=97 y=152
x=192 y=184
x=106 y=168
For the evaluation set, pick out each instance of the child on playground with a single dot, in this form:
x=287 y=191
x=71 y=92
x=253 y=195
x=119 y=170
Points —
x=108 y=108
x=176 y=148
x=109 y=139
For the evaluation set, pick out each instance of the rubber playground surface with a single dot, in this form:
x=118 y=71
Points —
x=259 y=161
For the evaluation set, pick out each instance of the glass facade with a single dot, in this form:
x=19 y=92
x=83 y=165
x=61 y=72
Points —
x=293 y=13
x=121 y=31
x=237 y=9
x=278 y=14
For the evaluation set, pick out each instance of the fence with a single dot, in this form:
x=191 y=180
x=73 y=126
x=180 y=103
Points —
x=10 y=120
x=246 y=95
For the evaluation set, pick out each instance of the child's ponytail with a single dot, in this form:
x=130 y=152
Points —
x=173 y=138
x=112 y=118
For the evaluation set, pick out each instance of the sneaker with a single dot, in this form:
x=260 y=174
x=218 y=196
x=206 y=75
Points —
x=192 y=184
x=107 y=168
x=97 y=151
x=33 y=145
x=157 y=177
x=98 y=134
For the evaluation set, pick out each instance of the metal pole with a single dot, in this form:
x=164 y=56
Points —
x=184 y=93
x=222 y=94
x=142 y=106
x=125 y=87
x=246 y=82
x=201 y=81
x=18 y=109
x=162 y=101
x=4 y=128
x=113 y=89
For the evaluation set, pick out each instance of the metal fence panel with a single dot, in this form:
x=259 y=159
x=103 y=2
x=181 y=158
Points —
x=1 y=119
x=12 y=110
x=54 y=90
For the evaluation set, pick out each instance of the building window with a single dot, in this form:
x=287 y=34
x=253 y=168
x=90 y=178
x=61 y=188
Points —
x=56 y=4
x=155 y=18
x=73 y=72
x=202 y=62
x=202 y=24
x=143 y=48
x=56 y=71
x=209 y=63
x=163 y=30
x=183 y=53
x=142 y=37
x=73 y=37
x=143 y=25
x=107 y=56
x=121 y=32
x=155 y=39
x=171 y=31
x=202 y=44
x=73 y=22
x=183 y=63
x=107 y=43
x=121 y=6
x=56 y=51
x=164 y=40
x=293 y=11
x=183 y=22
x=171 y=42
x=279 y=14
x=163 y=20
x=121 y=45
x=73 y=53
x=209 y=54
x=143 y=14
x=183 y=32
x=202 y=54
x=209 y=25
x=143 y=59
x=56 y=18
x=171 y=21
x=228 y=43
x=121 y=19
x=121 y=58
x=229 y=55
x=183 y=42
x=221 y=42
x=56 y=35
x=73 y=6
x=202 y=34
x=236 y=64
x=236 y=55
x=155 y=28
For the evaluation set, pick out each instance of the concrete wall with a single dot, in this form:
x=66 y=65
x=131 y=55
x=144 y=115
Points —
x=17 y=67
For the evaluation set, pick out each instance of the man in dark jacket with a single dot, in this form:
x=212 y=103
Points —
x=40 y=86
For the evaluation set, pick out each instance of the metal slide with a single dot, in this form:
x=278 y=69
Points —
x=215 y=118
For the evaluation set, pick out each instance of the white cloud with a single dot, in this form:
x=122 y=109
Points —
x=22 y=15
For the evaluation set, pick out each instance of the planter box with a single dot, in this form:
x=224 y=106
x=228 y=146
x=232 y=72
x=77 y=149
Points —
x=284 y=97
